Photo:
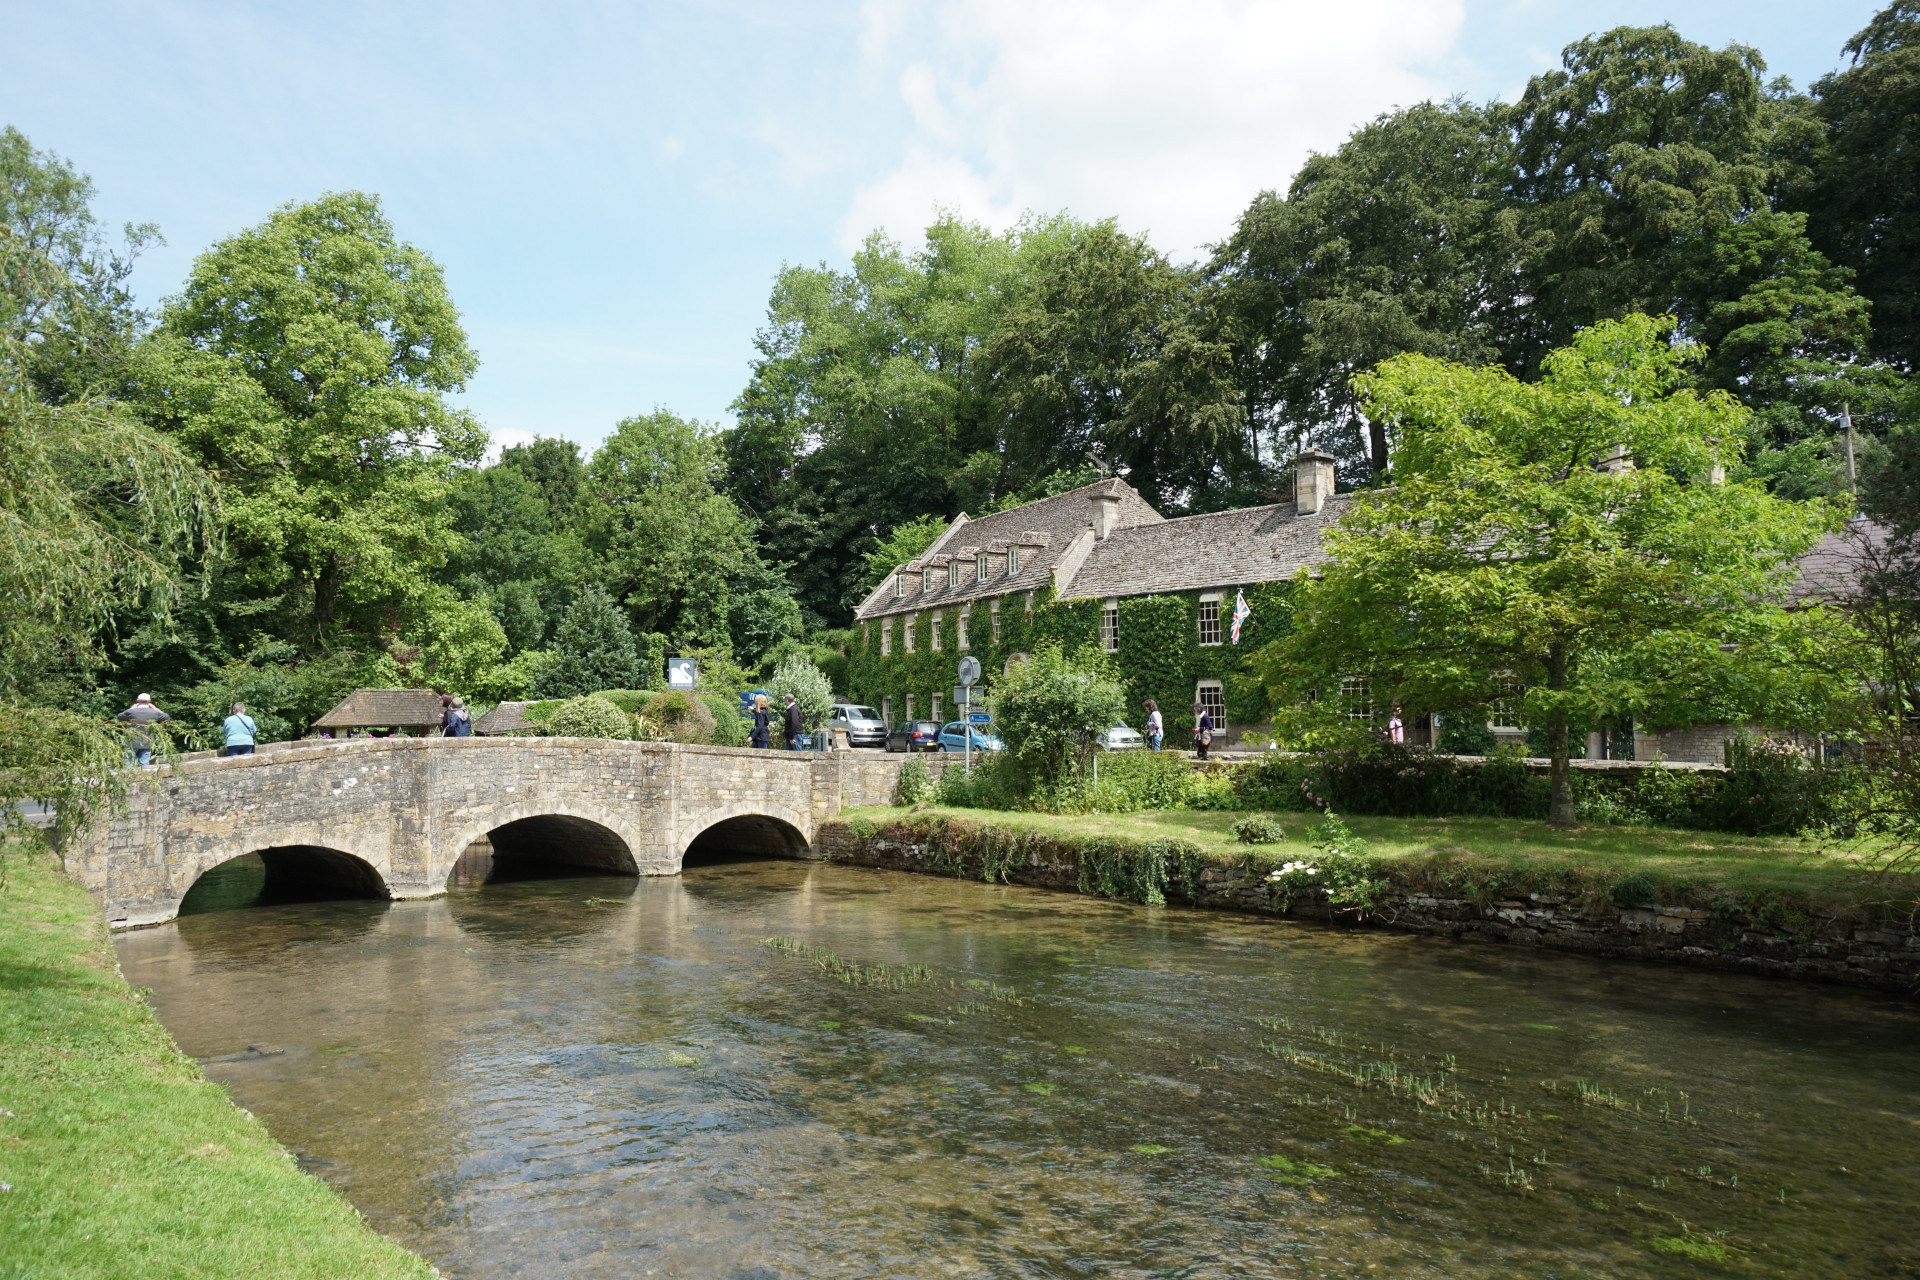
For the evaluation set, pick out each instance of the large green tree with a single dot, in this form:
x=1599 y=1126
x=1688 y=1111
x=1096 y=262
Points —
x=1568 y=537
x=307 y=363
x=1864 y=188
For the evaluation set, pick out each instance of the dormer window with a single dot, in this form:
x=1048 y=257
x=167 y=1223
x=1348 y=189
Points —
x=953 y=573
x=899 y=586
x=926 y=580
x=1013 y=561
x=982 y=562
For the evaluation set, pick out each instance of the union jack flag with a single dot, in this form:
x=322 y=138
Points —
x=1240 y=613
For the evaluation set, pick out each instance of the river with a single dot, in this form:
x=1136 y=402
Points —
x=783 y=1069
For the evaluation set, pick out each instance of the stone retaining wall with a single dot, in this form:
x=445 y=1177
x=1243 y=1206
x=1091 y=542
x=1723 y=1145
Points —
x=1852 y=953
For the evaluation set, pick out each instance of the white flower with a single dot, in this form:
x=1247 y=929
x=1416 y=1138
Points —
x=1288 y=868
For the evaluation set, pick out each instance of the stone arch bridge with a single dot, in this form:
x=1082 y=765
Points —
x=390 y=817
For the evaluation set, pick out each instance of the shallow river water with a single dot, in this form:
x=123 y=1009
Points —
x=711 y=1076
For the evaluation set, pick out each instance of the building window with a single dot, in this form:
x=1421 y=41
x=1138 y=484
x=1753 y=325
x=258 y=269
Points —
x=1505 y=711
x=1213 y=701
x=1356 y=695
x=1209 y=619
x=886 y=637
x=953 y=573
x=926 y=580
x=1110 y=625
x=993 y=614
x=907 y=626
x=934 y=631
x=1013 y=561
x=886 y=709
x=909 y=706
x=960 y=633
x=936 y=706
x=899 y=586
x=1029 y=606
x=982 y=563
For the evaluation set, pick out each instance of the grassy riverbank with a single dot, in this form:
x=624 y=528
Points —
x=1498 y=854
x=117 y=1157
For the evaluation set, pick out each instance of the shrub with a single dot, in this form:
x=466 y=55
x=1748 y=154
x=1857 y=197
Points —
x=994 y=782
x=730 y=728
x=1773 y=789
x=681 y=717
x=1213 y=790
x=631 y=701
x=914 y=786
x=1259 y=828
x=1048 y=708
x=588 y=718
x=808 y=684
x=1134 y=780
x=593 y=649
x=1339 y=870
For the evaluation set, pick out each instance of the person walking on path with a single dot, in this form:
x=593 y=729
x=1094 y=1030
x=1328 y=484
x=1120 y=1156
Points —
x=139 y=742
x=1156 y=728
x=458 y=724
x=238 y=730
x=793 y=724
x=762 y=722
x=1202 y=731
x=1396 y=730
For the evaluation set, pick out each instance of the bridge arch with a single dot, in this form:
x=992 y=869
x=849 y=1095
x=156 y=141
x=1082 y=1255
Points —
x=771 y=830
x=576 y=834
x=286 y=872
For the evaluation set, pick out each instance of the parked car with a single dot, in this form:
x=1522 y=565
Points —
x=954 y=738
x=914 y=735
x=1119 y=738
x=864 y=726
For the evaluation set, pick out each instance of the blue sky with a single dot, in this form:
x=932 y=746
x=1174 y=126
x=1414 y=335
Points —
x=611 y=187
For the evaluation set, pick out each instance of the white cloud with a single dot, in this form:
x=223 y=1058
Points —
x=1168 y=115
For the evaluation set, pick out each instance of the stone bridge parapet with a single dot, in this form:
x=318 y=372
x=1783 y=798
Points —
x=405 y=809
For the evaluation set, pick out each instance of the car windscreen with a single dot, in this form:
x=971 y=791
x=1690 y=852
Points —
x=860 y=713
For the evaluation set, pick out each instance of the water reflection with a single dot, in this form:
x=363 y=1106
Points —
x=607 y=1077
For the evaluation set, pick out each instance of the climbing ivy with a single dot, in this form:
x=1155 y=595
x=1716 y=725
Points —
x=1160 y=655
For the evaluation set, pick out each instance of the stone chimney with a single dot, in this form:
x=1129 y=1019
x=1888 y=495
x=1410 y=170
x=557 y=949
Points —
x=1106 y=513
x=1312 y=481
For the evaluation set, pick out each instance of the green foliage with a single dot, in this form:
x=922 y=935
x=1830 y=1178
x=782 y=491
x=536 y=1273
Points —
x=913 y=785
x=1258 y=828
x=730 y=728
x=592 y=650
x=1505 y=553
x=587 y=717
x=307 y=362
x=1340 y=872
x=681 y=716
x=1048 y=709
x=908 y=541
x=809 y=686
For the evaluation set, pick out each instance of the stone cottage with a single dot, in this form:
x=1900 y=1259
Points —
x=1099 y=564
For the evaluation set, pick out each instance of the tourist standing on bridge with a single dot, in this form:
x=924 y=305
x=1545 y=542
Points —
x=793 y=724
x=762 y=722
x=239 y=730
x=141 y=714
x=456 y=723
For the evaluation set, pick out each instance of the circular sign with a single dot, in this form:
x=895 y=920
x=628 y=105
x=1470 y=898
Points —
x=969 y=671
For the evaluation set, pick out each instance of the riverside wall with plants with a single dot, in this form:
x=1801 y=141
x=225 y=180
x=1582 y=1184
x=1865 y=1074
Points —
x=1606 y=913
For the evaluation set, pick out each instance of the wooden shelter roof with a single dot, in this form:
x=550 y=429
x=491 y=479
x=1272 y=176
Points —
x=388 y=708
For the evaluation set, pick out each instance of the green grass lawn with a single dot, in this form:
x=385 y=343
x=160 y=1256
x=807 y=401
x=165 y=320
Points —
x=118 y=1159
x=1505 y=848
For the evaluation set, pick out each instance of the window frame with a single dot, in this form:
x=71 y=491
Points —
x=960 y=628
x=906 y=635
x=1013 y=561
x=886 y=709
x=933 y=630
x=1110 y=624
x=935 y=717
x=985 y=567
x=886 y=637
x=1215 y=706
x=1358 y=686
x=1201 y=620
x=993 y=612
x=953 y=576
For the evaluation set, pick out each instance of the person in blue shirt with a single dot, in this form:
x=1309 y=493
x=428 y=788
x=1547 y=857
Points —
x=239 y=729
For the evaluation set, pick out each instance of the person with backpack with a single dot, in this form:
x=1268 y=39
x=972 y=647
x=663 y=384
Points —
x=139 y=742
x=1202 y=731
x=237 y=732
x=457 y=723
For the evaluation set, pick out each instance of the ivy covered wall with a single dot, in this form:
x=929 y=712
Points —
x=1160 y=655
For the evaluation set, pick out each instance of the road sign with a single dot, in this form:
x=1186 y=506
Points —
x=682 y=673
x=981 y=717
x=969 y=671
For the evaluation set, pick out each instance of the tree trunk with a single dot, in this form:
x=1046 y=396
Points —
x=1377 y=440
x=1560 y=803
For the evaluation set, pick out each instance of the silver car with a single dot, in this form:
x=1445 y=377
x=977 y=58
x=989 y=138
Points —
x=864 y=726
x=1119 y=738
